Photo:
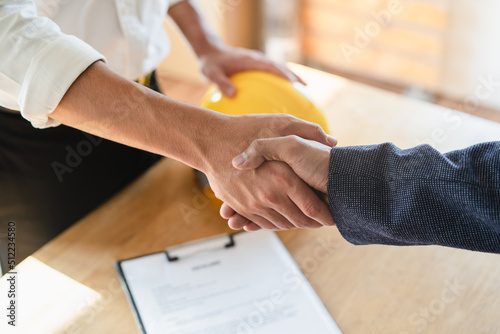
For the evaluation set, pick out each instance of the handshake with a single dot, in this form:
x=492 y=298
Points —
x=277 y=180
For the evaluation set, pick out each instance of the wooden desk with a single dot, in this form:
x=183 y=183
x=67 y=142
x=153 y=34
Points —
x=367 y=289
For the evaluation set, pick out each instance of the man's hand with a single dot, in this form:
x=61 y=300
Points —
x=272 y=196
x=308 y=159
x=222 y=62
x=219 y=61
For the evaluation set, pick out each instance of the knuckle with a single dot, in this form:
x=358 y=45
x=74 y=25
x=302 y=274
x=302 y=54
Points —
x=285 y=182
x=311 y=208
x=257 y=145
x=254 y=206
x=293 y=141
x=281 y=122
x=208 y=71
x=302 y=222
x=317 y=130
x=285 y=179
x=270 y=199
x=280 y=177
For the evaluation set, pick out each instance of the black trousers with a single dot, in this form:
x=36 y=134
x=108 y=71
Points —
x=50 y=178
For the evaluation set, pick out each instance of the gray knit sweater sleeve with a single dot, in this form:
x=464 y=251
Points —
x=384 y=195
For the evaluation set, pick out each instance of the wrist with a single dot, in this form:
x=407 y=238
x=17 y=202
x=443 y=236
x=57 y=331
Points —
x=227 y=137
x=324 y=172
x=195 y=136
x=209 y=47
x=210 y=143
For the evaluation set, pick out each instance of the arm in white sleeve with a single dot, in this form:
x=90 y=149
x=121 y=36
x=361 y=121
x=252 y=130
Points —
x=38 y=63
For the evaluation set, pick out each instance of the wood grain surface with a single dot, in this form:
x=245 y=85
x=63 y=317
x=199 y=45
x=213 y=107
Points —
x=367 y=289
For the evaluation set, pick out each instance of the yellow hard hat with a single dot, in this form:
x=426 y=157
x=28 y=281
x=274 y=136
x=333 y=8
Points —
x=259 y=92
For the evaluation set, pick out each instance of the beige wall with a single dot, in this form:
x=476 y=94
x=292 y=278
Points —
x=468 y=47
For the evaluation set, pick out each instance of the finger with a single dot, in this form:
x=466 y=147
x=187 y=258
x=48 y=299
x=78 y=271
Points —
x=226 y=211
x=309 y=130
x=297 y=217
x=283 y=212
x=291 y=210
x=263 y=222
x=237 y=222
x=311 y=205
x=279 y=220
x=290 y=74
x=299 y=79
x=261 y=150
x=222 y=81
x=251 y=227
x=263 y=215
x=279 y=70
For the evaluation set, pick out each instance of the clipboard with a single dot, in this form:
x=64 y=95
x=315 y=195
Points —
x=242 y=283
x=170 y=258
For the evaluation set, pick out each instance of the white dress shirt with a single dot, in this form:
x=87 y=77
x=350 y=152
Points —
x=47 y=44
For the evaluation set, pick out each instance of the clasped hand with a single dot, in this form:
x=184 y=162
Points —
x=269 y=195
x=308 y=159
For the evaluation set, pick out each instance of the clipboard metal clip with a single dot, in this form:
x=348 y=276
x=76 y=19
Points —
x=196 y=250
x=171 y=258
x=231 y=241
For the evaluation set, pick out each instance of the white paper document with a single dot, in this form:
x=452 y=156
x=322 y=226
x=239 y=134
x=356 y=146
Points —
x=246 y=284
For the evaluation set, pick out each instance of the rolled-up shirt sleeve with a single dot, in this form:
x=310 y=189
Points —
x=380 y=194
x=38 y=63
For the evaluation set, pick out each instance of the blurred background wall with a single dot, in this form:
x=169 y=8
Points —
x=433 y=49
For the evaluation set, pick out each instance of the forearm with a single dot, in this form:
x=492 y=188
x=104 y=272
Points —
x=104 y=104
x=383 y=195
x=195 y=28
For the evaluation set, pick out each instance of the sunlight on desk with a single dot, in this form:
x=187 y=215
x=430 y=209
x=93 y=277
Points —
x=48 y=301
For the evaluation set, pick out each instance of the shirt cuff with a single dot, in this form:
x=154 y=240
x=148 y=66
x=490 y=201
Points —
x=354 y=187
x=50 y=74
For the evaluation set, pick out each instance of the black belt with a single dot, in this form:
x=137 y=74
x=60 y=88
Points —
x=9 y=111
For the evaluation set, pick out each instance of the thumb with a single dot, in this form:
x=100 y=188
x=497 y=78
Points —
x=222 y=81
x=259 y=151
